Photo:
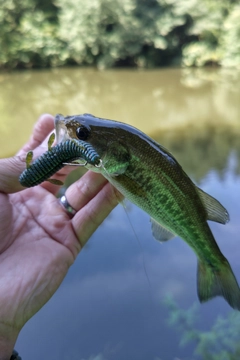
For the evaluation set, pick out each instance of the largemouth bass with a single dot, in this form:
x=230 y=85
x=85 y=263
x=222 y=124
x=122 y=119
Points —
x=150 y=177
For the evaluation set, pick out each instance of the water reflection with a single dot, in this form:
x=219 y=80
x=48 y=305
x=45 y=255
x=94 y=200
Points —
x=221 y=342
x=151 y=100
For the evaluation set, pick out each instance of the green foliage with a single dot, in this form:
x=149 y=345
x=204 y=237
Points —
x=216 y=27
x=110 y=32
x=221 y=342
x=230 y=39
x=106 y=33
x=27 y=34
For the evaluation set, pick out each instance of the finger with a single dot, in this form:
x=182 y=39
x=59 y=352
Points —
x=83 y=190
x=88 y=219
x=41 y=130
x=10 y=169
x=93 y=198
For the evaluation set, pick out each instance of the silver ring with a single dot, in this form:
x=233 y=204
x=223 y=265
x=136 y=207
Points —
x=67 y=207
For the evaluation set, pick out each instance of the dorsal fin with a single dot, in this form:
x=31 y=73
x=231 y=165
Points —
x=215 y=210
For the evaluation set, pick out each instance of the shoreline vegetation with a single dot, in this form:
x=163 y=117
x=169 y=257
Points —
x=132 y=33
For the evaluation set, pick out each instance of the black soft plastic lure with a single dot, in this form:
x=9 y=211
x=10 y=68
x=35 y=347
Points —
x=55 y=158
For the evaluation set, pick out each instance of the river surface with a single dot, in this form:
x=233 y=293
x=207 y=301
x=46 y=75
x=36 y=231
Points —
x=121 y=298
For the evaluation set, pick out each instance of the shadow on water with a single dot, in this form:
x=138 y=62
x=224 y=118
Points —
x=105 y=309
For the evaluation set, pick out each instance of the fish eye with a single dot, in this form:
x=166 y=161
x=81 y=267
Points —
x=82 y=133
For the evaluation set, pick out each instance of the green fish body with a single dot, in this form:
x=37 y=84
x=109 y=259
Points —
x=150 y=177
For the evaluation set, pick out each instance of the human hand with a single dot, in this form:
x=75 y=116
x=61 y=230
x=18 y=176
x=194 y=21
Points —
x=39 y=242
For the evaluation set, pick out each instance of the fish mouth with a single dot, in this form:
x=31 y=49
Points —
x=60 y=128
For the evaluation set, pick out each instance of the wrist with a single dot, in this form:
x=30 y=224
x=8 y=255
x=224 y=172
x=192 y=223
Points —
x=6 y=351
x=7 y=343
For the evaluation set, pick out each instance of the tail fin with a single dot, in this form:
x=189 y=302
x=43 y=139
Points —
x=214 y=282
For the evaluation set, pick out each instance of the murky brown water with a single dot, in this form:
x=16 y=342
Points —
x=153 y=100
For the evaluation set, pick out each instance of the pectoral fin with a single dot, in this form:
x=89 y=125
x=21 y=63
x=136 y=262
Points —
x=118 y=162
x=119 y=170
x=215 y=211
x=160 y=233
x=114 y=168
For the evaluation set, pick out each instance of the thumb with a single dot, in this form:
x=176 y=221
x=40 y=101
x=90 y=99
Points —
x=10 y=170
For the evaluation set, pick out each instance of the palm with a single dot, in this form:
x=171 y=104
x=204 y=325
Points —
x=35 y=259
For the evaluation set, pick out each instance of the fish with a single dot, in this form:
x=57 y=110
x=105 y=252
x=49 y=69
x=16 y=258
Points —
x=149 y=176
x=67 y=152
